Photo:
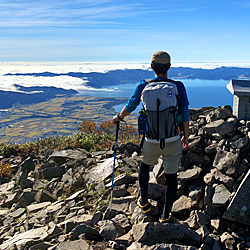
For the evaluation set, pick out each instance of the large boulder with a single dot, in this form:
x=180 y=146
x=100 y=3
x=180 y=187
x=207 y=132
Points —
x=154 y=232
x=239 y=208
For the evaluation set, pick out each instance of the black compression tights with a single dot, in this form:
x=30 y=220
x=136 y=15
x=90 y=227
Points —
x=171 y=188
x=143 y=182
x=170 y=195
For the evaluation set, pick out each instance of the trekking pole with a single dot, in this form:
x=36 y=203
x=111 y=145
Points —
x=113 y=175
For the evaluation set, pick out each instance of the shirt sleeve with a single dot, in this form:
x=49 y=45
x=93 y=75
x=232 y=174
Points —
x=185 y=113
x=134 y=100
x=183 y=101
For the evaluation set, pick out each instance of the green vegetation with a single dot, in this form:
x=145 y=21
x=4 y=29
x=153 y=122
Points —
x=5 y=170
x=91 y=137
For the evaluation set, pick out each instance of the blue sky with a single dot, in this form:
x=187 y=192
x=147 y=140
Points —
x=124 y=30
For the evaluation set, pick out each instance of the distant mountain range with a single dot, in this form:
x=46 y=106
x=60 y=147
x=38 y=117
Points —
x=114 y=77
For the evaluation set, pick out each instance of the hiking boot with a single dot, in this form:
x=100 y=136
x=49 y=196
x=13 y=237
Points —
x=167 y=220
x=146 y=209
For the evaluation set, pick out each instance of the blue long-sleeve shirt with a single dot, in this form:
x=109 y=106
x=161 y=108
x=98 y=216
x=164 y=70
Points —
x=135 y=99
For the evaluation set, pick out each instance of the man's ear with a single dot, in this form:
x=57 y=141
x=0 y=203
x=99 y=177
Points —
x=152 y=66
x=169 y=65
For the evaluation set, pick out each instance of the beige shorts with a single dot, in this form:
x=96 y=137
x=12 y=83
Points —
x=171 y=155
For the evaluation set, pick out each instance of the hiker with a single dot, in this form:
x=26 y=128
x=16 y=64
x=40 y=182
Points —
x=162 y=138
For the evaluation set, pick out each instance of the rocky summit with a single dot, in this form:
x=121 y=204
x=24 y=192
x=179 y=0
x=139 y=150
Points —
x=60 y=199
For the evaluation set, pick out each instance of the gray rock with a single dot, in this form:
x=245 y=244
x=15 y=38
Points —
x=225 y=128
x=61 y=157
x=211 y=149
x=156 y=192
x=27 y=197
x=120 y=180
x=182 y=204
x=228 y=181
x=140 y=246
x=198 y=219
x=76 y=245
x=28 y=165
x=164 y=233
x=129 y=147
x=228 y=240
x=43 y=195
x=10 y=200
x=7 y=187
x=221 y=195
x=18 y=213
x=96 y=218
x=216 y=176
x=20 y=175
x=197 y=145
x=240 y=143
x=210 y=128
x=3 y=212
x=49 y=173
x=120 y=191
x=36 y=207
x=89 y=232
x=100 y=172
x=109 y=230
x=129 y=162
x=215 y=223
x=196 y=190
x=37 y=185
x=210 y=208
x=190 y=174
x=225 y=161
x=210 y=239
x=224 y=112
x=76 y=196
x=242 y=168
x=121 y=204
x=23 y=239
x=26 y=183
x=198 y=159
x=239 y=207
x=209 y=178
x=203 y=232
x=122 y=221
x=41 y=246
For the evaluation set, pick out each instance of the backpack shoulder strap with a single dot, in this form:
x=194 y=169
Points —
x=149 y=80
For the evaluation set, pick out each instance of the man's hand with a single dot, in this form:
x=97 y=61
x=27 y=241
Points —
x=120 y=116
x=184 y=142
x=116 y=119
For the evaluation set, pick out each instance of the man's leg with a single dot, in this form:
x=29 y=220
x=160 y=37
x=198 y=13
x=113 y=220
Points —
x=171 y=194
x=143 y=182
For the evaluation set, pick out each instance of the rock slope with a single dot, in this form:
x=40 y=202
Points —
x=59 y=200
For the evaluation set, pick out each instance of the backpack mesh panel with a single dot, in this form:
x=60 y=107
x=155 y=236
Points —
x=167 y=123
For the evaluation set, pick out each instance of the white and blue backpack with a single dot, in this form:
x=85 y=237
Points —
x=160 y=102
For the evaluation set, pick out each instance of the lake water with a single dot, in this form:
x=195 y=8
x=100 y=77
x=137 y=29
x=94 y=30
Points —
x=201 y=93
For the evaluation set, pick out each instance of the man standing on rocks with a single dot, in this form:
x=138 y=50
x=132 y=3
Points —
x=170 y=147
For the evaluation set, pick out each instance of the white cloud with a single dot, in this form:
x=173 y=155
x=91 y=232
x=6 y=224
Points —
x=67 y=82
x=73 y=13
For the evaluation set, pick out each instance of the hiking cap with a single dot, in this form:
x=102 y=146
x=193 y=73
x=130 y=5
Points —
x=161 y=57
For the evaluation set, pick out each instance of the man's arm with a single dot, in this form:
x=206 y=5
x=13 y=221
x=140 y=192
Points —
x=184 y=138
x=132 y=103
x=120 y=116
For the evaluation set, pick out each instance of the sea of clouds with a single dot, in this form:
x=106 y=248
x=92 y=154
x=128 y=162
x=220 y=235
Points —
x=8 y=82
